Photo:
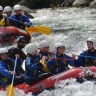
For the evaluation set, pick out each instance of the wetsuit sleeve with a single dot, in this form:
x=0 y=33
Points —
x=4 y=71
x=19 y=62
x=80 y=60
x=70 y=60
x=30 y=65
x=10 y=20
x=26 y=19
x=15 y=51
x=12 y=53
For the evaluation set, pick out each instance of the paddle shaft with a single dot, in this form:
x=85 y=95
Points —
x=79 y=56
x=60 y=59
x=18 y=21
x=86 y=56
x=13 y=76
x=14 y=70
x=54 y=54
x=75 y=55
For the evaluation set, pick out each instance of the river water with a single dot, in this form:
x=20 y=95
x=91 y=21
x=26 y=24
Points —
x=72 y=26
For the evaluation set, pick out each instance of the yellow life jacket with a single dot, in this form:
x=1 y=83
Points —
x=2 y=23
x=65 y=64
x=44 y=68
x=58 y=64
x=86 y=59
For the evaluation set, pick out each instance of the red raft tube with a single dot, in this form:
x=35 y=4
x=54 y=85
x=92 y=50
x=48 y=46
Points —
x=50 y=81
x=9 y=34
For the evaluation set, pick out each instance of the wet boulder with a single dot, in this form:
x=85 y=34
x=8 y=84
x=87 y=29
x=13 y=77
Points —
x=93 y=4
x=23 y=2
x=83 y=3
x=67 y=3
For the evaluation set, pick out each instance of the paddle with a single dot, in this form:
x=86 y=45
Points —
x=10 y=89
x=73 y=55
x=40 y=29
x=86 y=56
x=60 y=59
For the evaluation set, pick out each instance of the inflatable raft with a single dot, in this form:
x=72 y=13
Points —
x=9 y=34
x=50 y=81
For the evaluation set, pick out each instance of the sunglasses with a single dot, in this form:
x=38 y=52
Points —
x=22 y=42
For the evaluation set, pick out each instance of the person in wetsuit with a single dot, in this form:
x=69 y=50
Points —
x=87 y=57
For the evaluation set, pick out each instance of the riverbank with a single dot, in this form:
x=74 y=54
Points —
x=58 y=3
x=37 y=4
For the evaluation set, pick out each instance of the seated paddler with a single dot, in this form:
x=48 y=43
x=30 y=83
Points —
x=33 y=66
x=60 y=61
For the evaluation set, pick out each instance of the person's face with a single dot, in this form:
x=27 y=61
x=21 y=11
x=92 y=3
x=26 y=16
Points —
x=3 y=56
x=34 y=53
x=46 y=48
x=22 y=43
x=89 y=45
x=1 y=11
x=60 y=50
x=8 y=13
x=17 y=12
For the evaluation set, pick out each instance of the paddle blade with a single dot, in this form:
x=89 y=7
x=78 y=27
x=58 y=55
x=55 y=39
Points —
x=31 y=29
x=43 y=29
x=10 y=91
x=40 y=29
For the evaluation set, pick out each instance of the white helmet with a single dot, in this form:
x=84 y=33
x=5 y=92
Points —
x=44 y=44
x=1 y=8
x=17 y=7
x=93 y=40
x=7 y=9
x=31 y=48
x=3 y=50
x=60 y=44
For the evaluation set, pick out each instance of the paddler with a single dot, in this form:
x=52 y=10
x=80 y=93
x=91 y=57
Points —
x=44 y=49
x=8 y=11
x=7 y=67
x=3 y=17
x=18 y=19
x=88 y=57
x=60 y=60
x=5 y=21
x=21 y=42
x=33 y=66
x=44 y=53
